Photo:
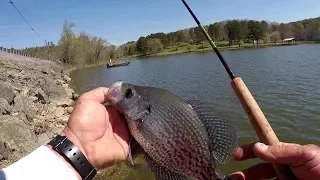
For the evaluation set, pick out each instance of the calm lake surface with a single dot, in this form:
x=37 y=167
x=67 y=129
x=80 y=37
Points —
x=284 y=81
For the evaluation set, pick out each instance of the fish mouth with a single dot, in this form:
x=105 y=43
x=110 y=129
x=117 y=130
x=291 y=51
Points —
x=114 y=93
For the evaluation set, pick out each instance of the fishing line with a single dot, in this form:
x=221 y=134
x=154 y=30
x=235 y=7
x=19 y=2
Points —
x=213 y=45
x=32 y=29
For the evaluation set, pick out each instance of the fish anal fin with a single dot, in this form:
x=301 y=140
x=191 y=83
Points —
x=222 y=133
x=162 y=173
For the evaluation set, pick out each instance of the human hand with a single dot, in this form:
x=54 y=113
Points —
x=304 y=161
x=99 y=132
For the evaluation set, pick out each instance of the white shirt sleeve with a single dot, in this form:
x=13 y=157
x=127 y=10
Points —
x=40 y=164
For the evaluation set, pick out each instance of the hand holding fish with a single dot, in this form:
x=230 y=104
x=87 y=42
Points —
x=100 y=133
x=304 y=161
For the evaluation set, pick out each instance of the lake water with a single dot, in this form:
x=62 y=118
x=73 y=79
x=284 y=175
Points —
x=284 y=81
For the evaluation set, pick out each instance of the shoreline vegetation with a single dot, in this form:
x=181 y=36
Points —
x=83 y=49
x=176 y=50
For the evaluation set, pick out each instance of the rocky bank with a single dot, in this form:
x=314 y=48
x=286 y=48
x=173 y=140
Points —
x=35 y=104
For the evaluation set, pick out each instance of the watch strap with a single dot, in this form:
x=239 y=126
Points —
x=74 y=156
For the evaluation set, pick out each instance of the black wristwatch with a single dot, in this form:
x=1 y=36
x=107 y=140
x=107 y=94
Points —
x=74 y=156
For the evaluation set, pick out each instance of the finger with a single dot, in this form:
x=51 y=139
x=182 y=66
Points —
x=244 y=152
x=120 y=129
x=259 y=171
x=99 y=95
x=284 y=153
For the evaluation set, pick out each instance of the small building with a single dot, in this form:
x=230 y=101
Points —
x=289 y=41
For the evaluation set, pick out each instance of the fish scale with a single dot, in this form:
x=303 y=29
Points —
x=173 y=135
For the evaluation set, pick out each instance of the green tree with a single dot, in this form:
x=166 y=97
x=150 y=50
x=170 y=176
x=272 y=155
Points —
x=256 y=30
x=274 y=26
x=198 y=35
x=233 y=31
x=211 y=31
x=181 y=38
x=214 y=31
x=282 y=30
x=264 y=26
x=298 y=30
x=112 y=51
x=313 y=30
x=132 y=48
x=192 y=35
x=163 y=38
x=154 y=46
x=66 y=43
x=244 y=30
x=142 y=45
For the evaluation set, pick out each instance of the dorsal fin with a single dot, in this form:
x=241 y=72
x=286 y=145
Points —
x=222 y=133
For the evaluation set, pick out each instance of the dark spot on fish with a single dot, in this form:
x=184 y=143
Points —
x=149 y=109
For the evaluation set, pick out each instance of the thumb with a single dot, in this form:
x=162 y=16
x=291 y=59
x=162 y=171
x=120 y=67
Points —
x=289 y=154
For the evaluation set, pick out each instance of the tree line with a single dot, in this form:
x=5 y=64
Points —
x=86 y=49
x=233 y=31
x=75 y=49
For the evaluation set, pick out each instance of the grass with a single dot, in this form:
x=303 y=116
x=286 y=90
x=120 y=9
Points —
x=179 y=49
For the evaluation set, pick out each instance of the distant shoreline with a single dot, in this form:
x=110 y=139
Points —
x=194 y=49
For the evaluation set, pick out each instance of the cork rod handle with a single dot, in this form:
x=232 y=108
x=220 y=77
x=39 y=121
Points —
x=259 y=123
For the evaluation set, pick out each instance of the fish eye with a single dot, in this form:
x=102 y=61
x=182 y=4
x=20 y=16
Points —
x=128 y=93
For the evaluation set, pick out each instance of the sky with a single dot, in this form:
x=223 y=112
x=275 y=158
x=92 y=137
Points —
x=119 y=21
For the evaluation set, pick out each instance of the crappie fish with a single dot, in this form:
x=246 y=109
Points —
x=180 y=139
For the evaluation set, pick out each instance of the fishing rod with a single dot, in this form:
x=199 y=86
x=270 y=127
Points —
x=250 y=106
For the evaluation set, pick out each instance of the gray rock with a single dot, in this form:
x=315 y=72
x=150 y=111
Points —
x=66 y=78
x=17 y=135
x=52 y=89
x=42 y=97
x=50 y=134
x=69 y=110
x=65 y=86
x=75 y=96
x=63 y=102
x=22 y=117
x=6 y=92
x=41 y=82
x=5 y=108
x=60 y=82
x=69 y=92
x=4 y=151
x=26 y=105
x=59 y=112
x=43 y=139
